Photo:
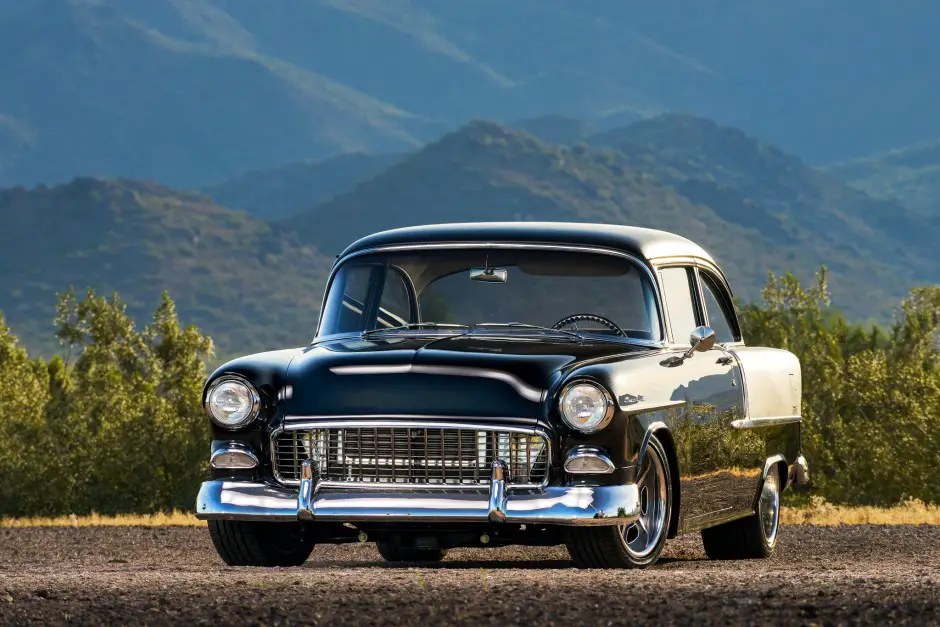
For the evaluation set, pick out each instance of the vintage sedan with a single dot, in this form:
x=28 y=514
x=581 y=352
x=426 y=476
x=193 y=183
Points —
x=508 y=383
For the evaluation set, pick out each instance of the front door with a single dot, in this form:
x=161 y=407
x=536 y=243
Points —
x=712 y=468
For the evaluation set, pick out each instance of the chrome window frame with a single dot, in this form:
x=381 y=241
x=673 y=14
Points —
x=391 y=422
x=640 y=263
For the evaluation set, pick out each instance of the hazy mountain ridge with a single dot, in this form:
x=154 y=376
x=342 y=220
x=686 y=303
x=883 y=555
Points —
x=253 y=284
x=910 y=174
x=281 y=191
x=487 y=171
x=247 y=284
x=189 y=92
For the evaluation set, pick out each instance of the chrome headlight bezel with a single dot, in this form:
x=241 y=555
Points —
x=254 y=398
x=608 y=410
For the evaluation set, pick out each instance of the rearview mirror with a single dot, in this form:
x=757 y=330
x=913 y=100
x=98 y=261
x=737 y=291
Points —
x=701 y=339
x=489 y=275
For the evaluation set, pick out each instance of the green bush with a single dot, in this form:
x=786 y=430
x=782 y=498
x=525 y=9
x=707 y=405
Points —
x=115 y=424
x=119 y=428
x=871 y=398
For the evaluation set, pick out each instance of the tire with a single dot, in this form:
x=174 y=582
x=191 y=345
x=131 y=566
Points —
x=754 y=537
x=396 y=554
x=639 y=544
x=251 y=543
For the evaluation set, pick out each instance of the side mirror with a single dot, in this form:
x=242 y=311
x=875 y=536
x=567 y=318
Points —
x=701 y=339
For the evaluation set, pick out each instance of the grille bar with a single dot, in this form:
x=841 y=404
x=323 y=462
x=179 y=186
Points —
x=411 y=454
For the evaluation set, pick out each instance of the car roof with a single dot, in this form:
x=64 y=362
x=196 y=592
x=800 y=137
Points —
x=647 y=244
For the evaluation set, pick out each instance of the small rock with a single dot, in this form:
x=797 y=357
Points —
x=6 y=597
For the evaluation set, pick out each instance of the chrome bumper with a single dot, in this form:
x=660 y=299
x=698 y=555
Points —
x=799 y=472
x=580 y=505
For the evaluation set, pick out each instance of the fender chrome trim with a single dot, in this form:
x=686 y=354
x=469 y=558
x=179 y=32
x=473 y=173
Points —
x=767 y=421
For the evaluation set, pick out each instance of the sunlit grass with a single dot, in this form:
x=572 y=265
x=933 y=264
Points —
x=176 y=518
x=817 y=512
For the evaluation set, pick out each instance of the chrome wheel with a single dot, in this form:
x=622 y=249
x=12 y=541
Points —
x=768 y=508
x=642 y=537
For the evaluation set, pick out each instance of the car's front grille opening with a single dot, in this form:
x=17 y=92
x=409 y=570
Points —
x=411 y=455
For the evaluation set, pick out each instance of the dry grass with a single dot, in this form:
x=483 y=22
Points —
x=818 y=512
x=177 y=518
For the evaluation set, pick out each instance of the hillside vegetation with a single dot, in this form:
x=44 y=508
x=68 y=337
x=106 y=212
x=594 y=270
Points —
x=245 y=282
x=910 y=174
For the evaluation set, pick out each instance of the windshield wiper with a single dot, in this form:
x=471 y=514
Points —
x=417 y=325
x=525 y=325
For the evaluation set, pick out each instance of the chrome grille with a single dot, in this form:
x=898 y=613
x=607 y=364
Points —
x=411 y=455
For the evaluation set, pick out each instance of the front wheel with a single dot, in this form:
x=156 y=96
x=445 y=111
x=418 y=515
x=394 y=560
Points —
x=638 y=544
x=754 y=537
x=255 y=543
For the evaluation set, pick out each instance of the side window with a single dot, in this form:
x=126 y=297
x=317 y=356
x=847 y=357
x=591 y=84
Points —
x=717 y=309
x=677 y=291
x=395 y=305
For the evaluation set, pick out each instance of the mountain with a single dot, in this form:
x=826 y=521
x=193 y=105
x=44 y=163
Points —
x=278 y=192
x=188 y=92
x=246 y=283
x=486 y=171
x=910 y=174
x=88 y=87
x=753 y=183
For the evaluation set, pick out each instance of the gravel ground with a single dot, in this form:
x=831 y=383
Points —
x=157 y=575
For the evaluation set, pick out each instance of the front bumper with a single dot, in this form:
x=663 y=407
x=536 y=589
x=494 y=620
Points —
x=552 y=505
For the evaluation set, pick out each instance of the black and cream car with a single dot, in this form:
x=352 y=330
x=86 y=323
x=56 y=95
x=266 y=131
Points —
x=508 y=383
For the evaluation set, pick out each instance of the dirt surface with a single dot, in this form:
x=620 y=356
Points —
x=157 y=575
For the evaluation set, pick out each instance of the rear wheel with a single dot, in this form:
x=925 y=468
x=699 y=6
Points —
x=253 y=543
x=753 y=537
x=638 y=544
x=391 y=552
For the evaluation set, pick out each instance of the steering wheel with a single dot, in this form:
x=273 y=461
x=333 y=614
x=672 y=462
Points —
x=586 y=317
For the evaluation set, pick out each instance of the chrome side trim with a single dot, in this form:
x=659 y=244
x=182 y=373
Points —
x=235 y=449
x=421 y=424
x=515 y=246
x=642 y=407
x=589 y=451
x=768 y=421
x=526 y=391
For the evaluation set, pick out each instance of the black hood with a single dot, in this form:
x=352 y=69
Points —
x=480 y=375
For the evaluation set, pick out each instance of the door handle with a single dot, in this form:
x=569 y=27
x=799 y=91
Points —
x=727 y=360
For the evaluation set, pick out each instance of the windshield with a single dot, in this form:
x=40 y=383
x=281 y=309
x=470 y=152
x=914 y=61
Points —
x=509 y=290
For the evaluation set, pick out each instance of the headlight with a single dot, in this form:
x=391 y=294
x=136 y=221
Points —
x=232 y=403
x=586 y=407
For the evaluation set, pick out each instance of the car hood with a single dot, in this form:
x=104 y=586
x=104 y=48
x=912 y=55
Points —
x=473 y=375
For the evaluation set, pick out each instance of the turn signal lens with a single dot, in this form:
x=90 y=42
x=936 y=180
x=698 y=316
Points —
x=588 y=464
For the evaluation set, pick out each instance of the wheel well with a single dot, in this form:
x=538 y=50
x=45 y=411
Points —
x=665 y=438
x=784 y=471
